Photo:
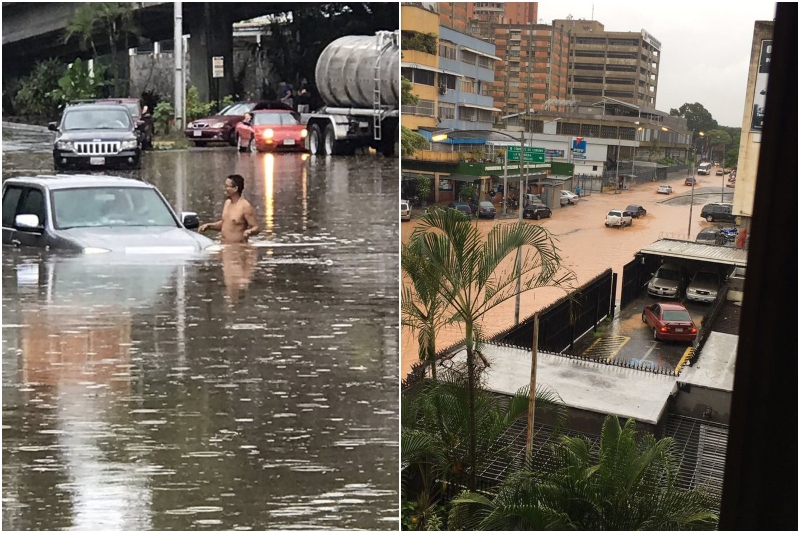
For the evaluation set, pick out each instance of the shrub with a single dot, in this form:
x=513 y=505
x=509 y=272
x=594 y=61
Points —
x=162 y=116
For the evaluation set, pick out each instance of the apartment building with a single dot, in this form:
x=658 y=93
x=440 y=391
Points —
x=619 y=65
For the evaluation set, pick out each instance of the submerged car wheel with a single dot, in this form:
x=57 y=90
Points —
x=644 y=318
x=538 y=216
x=655 y=334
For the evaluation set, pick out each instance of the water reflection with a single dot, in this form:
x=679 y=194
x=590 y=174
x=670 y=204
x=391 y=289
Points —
x=251 y=389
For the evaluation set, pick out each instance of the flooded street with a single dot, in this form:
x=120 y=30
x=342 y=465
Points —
x=251 y=389
x=587 y=247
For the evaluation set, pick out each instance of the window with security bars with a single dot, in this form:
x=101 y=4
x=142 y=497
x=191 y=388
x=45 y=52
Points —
x=447 y=111
x=447 y=50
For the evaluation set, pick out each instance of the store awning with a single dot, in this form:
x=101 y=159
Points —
x=462 y=177
x=485 y=108
x=481 y=53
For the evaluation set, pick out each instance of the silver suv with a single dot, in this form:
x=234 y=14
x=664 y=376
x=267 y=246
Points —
x=619 y=218
x=669 y=281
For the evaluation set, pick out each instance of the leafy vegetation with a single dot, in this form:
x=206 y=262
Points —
x=34 y=95
x=419 y=41
x=162 y=117
x=78 y=83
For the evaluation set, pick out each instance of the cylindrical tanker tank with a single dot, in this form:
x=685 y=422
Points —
x=345 y=71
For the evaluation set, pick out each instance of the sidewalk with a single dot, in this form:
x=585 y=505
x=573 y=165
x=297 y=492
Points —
x=17 y=126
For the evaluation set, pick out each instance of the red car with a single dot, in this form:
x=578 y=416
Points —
x=222 y=126
x=272 y=130
x=670 y=322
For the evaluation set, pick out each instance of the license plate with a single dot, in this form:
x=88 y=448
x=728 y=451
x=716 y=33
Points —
x=288 y=142
x=198 y=133
x=97 y=160
x=678 y=330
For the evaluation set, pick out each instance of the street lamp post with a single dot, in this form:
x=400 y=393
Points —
x=519 y=219
x=722 y=184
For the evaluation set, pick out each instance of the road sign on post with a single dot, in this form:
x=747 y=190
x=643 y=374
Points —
x=532 y=154
x=218 y=63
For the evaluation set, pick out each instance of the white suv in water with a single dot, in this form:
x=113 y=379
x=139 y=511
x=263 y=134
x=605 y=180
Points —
x=619 y=218
x=405 y=210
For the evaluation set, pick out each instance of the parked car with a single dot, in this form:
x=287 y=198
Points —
x=96 y=136
x=531 y=199
x=95 y=214
x=636 y=210
x=690 y=180
x=720 y=172
x=669 y=322
x=486 y=210
x=619 y=218
x=710 y=236
x=718 y=212
x=704 y=286
x=536 y=211
x=461 y=206
x=669 y=281
x=571 y=197
x=222 y=126
x=664 y=189
x=145 y=127
x=405 y=210
x=272 y=130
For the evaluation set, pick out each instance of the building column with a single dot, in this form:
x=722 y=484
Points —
x=211 y=35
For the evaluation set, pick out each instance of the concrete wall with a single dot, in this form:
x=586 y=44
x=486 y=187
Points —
x=694 y=401
x=750 y=143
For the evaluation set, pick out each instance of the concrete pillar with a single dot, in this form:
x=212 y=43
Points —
x=211 y=35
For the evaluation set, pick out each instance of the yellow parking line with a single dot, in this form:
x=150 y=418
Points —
x=686 y=355
x=615 y=352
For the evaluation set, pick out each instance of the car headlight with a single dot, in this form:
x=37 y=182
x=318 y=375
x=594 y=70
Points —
x=213 y=248
x=128 y=145
x=94 y=250
x=268 y=133
x=304 y=133
x=65 y=145
x=218 y=125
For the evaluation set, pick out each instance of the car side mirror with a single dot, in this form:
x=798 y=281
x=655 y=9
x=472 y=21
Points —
x=27 y=222
x=190 y=220
x=52 y=126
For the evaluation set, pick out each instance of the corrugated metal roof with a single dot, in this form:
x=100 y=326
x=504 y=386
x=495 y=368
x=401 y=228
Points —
x=702 y=252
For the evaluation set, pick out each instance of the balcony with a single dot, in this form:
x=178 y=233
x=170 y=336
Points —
x=439 y=157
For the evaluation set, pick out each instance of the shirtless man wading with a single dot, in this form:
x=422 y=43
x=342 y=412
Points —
x=238 y=216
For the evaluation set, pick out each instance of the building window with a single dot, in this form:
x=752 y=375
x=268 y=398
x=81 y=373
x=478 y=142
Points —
x=588 y=53
x=485 y=62
x=468 y=57
x=447 y=80
x=447 y=111
x=423 y=108
x=589 y=66
x=468 y=85
x=621 y=81
x=622 y=55
x=587 y=79
x=591 y=40
x=417 y=75
x=620 y=94
x=447 y=50
x=623 y=42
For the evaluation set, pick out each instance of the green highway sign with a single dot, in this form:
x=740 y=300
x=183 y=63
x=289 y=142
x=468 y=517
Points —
x=532 y=154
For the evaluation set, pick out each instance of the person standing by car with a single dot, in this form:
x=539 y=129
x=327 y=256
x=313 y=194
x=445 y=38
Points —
x=238 y=220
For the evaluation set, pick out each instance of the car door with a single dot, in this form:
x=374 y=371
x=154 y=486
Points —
x=31 y=201
x=654 y=315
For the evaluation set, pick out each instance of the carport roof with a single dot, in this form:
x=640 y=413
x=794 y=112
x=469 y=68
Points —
x=697 y=251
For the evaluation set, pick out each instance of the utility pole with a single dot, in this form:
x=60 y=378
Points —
x=532 y=387
x=519 y=219
x=179 y=74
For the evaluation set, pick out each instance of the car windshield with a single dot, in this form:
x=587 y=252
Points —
x=109 y=206
x=96 y=119
x=706 y=277
x=676 y=315
x=668 y=273
x=133 y=107
x=274 y=119
x=632 y=208
x=487 y=204
x=238 y=109
x=615 y=213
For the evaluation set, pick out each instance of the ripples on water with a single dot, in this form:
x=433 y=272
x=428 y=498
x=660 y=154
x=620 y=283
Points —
x=253 y=389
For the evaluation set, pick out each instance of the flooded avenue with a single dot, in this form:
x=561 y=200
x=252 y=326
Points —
x=252 y=389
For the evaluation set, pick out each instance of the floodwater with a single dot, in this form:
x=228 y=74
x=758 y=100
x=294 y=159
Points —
x=587 y=247
x=253 y=389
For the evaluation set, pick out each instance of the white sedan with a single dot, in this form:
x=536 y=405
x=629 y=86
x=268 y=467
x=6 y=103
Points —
x=664 y=189
x=571 y=197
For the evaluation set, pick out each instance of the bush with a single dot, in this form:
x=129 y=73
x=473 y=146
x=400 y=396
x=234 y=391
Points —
x=194 y=108
x=35 y=94
x=162 y=116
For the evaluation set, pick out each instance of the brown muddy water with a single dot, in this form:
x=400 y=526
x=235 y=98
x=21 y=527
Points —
x=252 y=389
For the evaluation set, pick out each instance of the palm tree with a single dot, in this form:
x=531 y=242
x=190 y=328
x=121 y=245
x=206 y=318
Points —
x=629 y=486
x=434 y=436
x=465 y=270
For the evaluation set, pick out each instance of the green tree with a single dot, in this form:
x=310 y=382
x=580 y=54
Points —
x=467 y=267
x=37 y=94
x=106 y=23
x=630 y=486
x=434 y=438
x=722 y=139
x=78 y=84
x=655 y=150
x=406 y=96
x=423 y=185
x=698 y=118
x=467 y=191
x=411 y=141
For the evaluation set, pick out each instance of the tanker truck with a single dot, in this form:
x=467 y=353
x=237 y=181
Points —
x=358 y=79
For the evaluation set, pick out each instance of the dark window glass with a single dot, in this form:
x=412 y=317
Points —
x=10 y=201
x=33 y=204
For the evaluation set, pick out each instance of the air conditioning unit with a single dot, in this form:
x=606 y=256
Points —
x=443 y=90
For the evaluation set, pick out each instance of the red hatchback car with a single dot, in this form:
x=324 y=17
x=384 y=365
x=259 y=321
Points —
x=670 y=322
x=272 y=130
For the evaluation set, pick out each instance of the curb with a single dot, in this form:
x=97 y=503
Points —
x=24 y=127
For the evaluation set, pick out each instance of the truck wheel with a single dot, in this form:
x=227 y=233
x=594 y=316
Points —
x=328 y=141
x=314 y=140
